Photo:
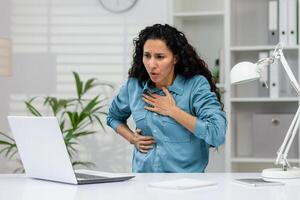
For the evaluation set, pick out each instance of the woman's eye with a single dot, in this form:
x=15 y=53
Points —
x=147 y=56
x=160 y=56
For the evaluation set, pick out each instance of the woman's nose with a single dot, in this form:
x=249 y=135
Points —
x=152 y=63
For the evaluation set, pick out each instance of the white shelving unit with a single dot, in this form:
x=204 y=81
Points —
x=250 y=109
x=200 y=20
x=235 y=31
x=203 y=21
x=239 y=30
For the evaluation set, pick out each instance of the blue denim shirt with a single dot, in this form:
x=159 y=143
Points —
x=176 y=148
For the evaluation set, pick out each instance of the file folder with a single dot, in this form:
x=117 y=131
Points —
x=264 y=78
x=273 y=35
x=292 y=22
x=274 y=78
x=283 y=19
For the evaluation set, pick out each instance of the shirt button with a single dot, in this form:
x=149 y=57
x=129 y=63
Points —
x=154 y=131
x=155 y=114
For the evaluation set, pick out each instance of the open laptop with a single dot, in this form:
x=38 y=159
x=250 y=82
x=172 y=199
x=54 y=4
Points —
x=44 y=154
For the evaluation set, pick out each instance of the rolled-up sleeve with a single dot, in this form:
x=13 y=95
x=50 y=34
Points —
x=119 y=110
x=211 y=122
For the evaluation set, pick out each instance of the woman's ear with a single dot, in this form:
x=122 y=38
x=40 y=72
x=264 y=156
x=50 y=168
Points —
x=176 y=58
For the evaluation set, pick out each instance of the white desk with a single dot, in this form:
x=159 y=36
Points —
x=18 y=187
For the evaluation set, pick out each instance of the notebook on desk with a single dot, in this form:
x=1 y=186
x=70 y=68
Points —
x=182 y=184
x=257 y=182
x=44 y=154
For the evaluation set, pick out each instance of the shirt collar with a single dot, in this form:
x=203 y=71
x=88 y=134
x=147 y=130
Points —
x=176 y=87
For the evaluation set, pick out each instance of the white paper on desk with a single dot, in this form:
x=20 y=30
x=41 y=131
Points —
x=182 y=184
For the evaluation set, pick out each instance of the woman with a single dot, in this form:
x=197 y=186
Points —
x=173 y=101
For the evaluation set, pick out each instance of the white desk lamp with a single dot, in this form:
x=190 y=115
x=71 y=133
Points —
x=245 y=72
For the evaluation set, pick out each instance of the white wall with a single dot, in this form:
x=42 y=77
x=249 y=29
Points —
x=51 y=38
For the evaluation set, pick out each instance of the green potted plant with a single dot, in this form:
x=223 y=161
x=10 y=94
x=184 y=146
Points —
x=77 y=117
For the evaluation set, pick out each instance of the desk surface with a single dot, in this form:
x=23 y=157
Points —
x=16 y=187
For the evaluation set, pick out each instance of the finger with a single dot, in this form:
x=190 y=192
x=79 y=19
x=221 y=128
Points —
x=147 y=143
x=142 y=137
x=148 y=93
x=146 y=138
x=150 y=108
x=156 y=96
x=166 y=91
x=151 y=98
x=146 y=147
x=148 y=101
x=143 y=151
x=138 y=131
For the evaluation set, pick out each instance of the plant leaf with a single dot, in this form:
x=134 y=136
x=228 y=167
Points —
x=76 y=135
x=19 y=170
x=2 y=142
x=4 y=135
x=62 y=125
x=75 y=115
x=32 y=109
x=89 y=85
x=82 y=163
x=13 y=153
x=79 y=85
x=86 y=111
x=99 y=121
x=74 y=119
x=4 y=149
x=10 y=149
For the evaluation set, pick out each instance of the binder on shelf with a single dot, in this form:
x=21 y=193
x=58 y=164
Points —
x=273 y=34
x=264 y=79
x=292 y=22
x=265 y=76
x=274 y=79
x=283 y=19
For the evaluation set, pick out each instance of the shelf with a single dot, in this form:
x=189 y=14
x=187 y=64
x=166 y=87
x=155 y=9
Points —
x=260 y=48
x=197 y=5
x=249 y=106
x=264 y=99
x=259 y=160
x=220 y=85
x=199 y=14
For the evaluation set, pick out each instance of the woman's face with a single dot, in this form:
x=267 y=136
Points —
x=159 y=62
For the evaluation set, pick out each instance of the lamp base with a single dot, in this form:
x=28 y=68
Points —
x=278 y=173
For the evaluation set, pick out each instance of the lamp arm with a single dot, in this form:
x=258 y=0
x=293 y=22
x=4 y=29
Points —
x=286 y=144
x=288 y=70
x=291 y=133
x=289 y=144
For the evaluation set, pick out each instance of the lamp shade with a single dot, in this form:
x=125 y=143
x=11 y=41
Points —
x=244 y=72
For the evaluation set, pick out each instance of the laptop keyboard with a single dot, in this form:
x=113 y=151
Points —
x=88 y=176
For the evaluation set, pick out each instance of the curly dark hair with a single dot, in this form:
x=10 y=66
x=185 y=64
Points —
x=188 y=63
